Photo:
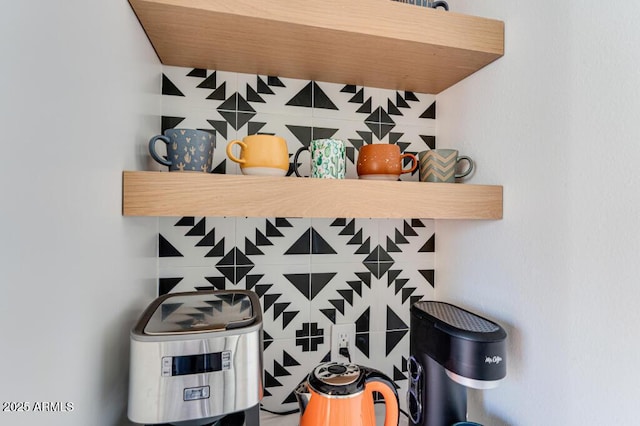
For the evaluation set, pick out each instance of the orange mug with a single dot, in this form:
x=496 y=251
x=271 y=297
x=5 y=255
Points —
x=383 y=161
x=265 y=155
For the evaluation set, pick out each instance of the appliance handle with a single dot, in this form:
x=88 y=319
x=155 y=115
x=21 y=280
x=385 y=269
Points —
x=375 y=381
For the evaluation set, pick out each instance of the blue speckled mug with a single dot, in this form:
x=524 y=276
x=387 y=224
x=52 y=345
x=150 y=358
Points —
x=328 y=158
x=188 y=150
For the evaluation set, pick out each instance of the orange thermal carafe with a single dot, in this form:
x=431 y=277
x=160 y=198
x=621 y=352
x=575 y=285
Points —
x=337 y=394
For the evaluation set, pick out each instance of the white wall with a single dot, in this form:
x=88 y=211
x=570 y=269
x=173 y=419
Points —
x=79 y=97
x=556 y=122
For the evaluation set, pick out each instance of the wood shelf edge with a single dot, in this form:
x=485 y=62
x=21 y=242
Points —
x=199 y=194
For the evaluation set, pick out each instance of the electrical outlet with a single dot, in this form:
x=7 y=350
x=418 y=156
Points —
x=342 y=336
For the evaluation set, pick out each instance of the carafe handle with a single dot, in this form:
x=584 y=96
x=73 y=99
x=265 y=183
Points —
x=375 y=381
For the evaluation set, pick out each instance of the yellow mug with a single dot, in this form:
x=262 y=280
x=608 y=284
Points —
x=264 y=155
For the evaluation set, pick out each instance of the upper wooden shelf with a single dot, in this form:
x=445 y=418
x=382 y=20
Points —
x=375 y=43
x=203 y=194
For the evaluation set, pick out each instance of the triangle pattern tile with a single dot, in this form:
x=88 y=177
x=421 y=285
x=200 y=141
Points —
x=302 y=133
x=262 y=289
x=398 y=375
x=320 y=98
x=362 y=343
x=350 y=229
x=356 y=239
x=269 y=300
x=347 y=295
x=399 y=238
x=356 y=286
x=186 y=221
x=251 y=249
x=288 y=360
x=429 y=246
x=197 y=72
x=208 y=240
x=393 y=338
x=282 y=222
x=410 y=96
x=279 y=370
x=365 y=277
x=165 y=285
x=366 y=107
x=429 y=275
x=319 y=281
x=349 y=88
x=323 y=132
x=330 y=313
x=169 y=88
x=261 y=239
x=274 y=81
x=358 y=98
x=393 y=321
x=168 y=122
x=391 y=247
x=199 y=229
x=407 y=292
x=220 y=93
x=392 y=109
x=272 y=230
x=217 y=250
x=251 y=281
x=254 y=127
x=287 y=317
x=253 y=96
x=339 y=304
x=430 y=141
x=430 y=112
x=400 y=283
x=166 y=249
x=319 y=245
x=263 y=87
x=363 y=323
x=400 y=102
x=304 y=98
x=408 y=230
x=302 y=282
x=218 y=282
x=209 y=82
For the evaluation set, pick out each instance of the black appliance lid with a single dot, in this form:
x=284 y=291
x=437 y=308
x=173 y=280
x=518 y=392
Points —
x=457 y=321
x=197 y=312
x=464 y=343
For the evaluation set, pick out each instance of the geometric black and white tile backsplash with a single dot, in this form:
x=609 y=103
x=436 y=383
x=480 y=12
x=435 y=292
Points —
x=309 y=273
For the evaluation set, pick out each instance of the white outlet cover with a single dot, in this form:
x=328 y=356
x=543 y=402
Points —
x=336 y=331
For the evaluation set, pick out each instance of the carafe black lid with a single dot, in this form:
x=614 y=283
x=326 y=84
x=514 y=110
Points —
x=337 y=379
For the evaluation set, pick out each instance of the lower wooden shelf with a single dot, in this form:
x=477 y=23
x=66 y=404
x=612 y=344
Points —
x=202 y=194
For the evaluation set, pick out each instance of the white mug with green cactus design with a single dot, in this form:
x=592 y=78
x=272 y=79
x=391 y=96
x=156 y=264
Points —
x=328 y=158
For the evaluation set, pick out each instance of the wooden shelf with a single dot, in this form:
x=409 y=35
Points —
x=376 y=43
x=201 y=194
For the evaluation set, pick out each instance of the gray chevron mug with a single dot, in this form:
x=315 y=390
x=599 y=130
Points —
x=440 y=165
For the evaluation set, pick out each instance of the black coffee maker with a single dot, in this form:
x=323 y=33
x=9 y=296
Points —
x=451 y=349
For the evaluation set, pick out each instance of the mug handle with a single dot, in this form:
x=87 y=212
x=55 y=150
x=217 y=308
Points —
x=469 y=169
x=442 y=4
x=295 y=160
x=152 y=149
x=230 y=152
x=414 y=162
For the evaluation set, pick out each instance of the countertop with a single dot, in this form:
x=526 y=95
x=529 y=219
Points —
x=268 y=419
